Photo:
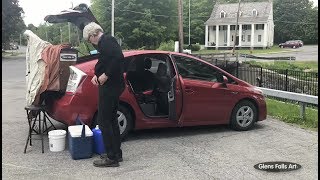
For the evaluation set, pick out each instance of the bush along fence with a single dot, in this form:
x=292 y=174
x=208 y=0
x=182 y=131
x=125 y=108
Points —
x=278 y=79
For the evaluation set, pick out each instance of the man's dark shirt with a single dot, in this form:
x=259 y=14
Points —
x=111 y=61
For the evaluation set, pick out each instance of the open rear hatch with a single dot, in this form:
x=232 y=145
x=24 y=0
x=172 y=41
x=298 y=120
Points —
x=80 y=16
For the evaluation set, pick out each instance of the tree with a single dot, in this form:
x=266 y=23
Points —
x=140 y=23
x=200 y=13
x=12 y=22
x=295 y=19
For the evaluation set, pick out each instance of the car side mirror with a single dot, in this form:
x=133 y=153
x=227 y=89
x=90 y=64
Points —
x=225 y=79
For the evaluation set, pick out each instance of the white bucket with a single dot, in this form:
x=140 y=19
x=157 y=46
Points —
x=57 y=140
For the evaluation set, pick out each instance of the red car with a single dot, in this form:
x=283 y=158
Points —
x=163 y=89
x=290 y=44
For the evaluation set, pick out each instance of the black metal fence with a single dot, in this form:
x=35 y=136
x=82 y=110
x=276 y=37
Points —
x=280 y=79
x=285 y=80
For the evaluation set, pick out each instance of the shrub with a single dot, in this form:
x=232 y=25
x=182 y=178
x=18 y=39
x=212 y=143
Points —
x=167 y=46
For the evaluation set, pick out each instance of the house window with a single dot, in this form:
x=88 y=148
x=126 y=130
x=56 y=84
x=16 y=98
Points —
x=232 y=38
x=259 y=26
x=242 y=38
x=233 y=27
x=213 y=28
x=224 y=27
x=259 y=38
x=222 y=14
x=246 y=27
x=249 y=38
x=254 y=12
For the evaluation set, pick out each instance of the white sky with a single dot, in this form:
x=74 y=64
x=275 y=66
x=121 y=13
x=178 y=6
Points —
x=36 y=10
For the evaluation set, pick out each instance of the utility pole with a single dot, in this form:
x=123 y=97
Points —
x=180 y=26
x=112 y=19
x=236 y=29
x=189 y=24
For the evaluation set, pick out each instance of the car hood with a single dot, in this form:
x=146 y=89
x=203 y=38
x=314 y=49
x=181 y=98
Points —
x=80 y=16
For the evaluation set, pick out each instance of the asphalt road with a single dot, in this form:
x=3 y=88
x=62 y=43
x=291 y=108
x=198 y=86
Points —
x=212 y=152
x=304 y=53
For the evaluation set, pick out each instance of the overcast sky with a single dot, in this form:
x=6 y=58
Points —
x=36 y=10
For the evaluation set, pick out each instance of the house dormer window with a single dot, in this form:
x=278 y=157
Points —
x=254 y=12
x=222 y=14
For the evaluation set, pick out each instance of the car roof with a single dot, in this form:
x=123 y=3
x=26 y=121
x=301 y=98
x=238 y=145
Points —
x=128 y=53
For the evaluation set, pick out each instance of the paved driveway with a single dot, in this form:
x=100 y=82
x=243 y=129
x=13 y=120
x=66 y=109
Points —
x=305 y=53
x=213 y=152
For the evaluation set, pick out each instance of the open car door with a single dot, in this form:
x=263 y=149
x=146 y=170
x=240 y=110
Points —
x=80 y=16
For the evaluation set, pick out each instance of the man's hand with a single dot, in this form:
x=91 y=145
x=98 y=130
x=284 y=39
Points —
x=103 y=78
x=94 y=80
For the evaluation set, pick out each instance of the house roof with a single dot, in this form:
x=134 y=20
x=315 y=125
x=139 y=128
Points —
x=246 y=8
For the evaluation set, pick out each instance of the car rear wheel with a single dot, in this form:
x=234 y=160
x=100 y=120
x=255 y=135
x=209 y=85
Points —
x=124 y=121
x=281 y=46
x=243 y=116
x=294 y=47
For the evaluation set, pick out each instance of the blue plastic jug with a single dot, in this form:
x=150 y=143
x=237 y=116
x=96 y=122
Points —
x=98 y=146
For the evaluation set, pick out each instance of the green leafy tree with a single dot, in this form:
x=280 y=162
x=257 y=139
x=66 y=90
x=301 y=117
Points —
x=295 y=19
x=139 y=23
x=200 y=12
x=12 y=22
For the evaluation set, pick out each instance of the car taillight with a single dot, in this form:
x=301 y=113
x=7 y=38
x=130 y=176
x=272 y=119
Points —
x=75 y=78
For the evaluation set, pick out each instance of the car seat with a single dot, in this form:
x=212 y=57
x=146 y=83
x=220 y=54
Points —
x=162 y=87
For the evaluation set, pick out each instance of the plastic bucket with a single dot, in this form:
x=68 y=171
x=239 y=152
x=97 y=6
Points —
x=57 y=140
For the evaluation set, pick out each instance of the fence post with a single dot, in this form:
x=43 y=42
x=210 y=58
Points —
x=212 y=56
x=286 y=85
x=260 y=82
x=237 y=56
x=302 y=110
x=237 y=71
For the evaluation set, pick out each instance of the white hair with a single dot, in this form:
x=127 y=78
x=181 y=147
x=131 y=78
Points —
x=91 y=29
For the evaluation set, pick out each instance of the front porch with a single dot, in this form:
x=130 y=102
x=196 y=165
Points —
x=223 y=36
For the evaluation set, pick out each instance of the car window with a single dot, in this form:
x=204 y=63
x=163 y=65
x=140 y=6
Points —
x=156 y=59
x=193 y=69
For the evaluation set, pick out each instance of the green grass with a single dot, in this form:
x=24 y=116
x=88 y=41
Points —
x=308 y=66
x=290 y=113
x=6 y=54
x=274 y=49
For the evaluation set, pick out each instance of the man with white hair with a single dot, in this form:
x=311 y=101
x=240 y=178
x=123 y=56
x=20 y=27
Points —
x=109 y=79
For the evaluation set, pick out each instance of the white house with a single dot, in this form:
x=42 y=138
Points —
x=255 y=25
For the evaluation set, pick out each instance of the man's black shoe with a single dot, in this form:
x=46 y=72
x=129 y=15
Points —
x=104 y=156
x=106 y=163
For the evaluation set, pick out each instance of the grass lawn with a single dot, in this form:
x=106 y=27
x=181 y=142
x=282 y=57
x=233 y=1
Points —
x=290 y=113
x=274 y=49
x=308 y=66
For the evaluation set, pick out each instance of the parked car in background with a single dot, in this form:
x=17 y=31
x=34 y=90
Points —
x=13 y=46
x=289 y=44
x=163 y=89
x=299 y=41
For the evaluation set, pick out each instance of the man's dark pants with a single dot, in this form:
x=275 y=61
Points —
x=108 y=120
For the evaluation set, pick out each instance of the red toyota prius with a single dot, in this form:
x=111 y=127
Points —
x=163 y=89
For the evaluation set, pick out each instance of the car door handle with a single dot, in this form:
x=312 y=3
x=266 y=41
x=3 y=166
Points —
x=234 y=92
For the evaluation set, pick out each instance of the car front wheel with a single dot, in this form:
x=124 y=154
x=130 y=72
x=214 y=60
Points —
x=281 y=46
x=294 y=47
x=124 y=121
x=243 y=116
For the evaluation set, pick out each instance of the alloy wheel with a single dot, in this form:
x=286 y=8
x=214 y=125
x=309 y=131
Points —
x=244 y=116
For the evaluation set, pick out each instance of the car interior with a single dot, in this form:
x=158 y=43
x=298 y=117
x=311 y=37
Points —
x=149 y=79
